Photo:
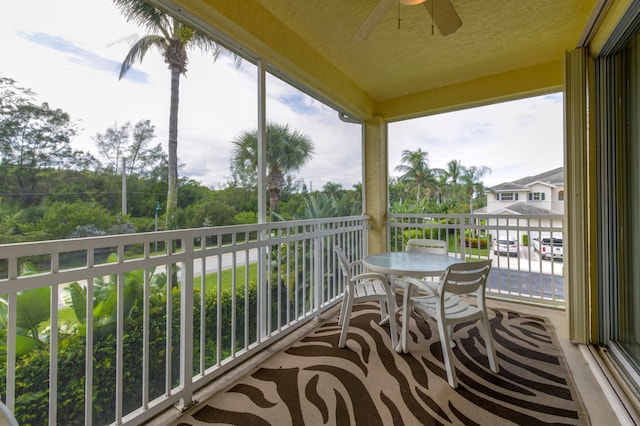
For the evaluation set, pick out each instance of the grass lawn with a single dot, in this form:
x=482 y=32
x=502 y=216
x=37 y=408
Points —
x=453 y=248
x=227 y=278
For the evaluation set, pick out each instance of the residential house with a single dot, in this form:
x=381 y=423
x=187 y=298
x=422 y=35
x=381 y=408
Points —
x=539 y=194
x=533 y=201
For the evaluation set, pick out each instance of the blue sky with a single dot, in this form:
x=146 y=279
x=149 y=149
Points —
x=73 y=64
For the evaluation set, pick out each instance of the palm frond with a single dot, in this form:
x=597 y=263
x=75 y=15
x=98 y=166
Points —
x=138 y=51
x=143 y=14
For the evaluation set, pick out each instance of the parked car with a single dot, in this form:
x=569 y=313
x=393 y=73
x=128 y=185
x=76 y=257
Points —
x=505 y=245
x=548 y=248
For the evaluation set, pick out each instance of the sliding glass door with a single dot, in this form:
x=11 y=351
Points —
x=618 y=121
x=629 y=287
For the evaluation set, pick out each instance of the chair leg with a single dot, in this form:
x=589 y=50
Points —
x=391 y=308
x=343 y=309
x=447 y=353
x=452 y=342
x=406 y=314
x=384 y=317
x=345 y=321
x=488 y=342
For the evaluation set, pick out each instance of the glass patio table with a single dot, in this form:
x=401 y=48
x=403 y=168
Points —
x=413 y=264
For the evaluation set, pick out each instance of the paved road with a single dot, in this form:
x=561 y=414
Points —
x=527 y=274
x=516 y=274
x=226 y=261
x=211 y=265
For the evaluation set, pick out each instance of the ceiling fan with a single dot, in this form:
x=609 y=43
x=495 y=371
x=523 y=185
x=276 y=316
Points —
x=442 y=13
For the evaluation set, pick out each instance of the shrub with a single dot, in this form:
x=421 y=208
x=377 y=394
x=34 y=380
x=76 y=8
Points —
x=473 y=242
x=32 y=370
x=62 y=219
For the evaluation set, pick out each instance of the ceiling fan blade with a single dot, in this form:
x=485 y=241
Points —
x=374 y=17
x=444 y=15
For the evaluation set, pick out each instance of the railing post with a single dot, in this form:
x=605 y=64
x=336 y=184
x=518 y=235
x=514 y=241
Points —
x=263 y=290
x=463 y=243
x=186 y=324
x=317 y=269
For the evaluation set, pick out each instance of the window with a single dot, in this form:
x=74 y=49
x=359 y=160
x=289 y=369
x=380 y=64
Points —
x=560 y=195
x=507 y=196
x=536 y=196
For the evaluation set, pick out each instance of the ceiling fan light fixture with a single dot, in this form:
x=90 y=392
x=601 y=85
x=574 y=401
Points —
x=411 y=2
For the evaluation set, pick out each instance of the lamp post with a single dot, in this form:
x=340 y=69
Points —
x=158 y=208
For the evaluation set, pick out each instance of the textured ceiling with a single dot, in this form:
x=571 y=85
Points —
x=504 y=49
x=496 y=35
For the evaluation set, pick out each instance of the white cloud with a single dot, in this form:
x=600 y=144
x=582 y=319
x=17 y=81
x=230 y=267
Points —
x=514 y=139
x=66 y=59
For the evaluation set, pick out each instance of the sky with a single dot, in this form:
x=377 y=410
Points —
x=69 y=54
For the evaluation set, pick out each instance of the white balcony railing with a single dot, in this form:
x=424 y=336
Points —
x=522 y=275
x=174 y=310
x=165 y=321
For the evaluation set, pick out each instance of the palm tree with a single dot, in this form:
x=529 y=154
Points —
x=172 y=38
x=415 y=168
x=333 y=189
x=471 y=178
x=287 y=152
x=453 y=172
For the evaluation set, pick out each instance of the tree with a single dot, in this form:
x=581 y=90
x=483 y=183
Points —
x=471 y=179
x=287 y=152
x=33 y=137
x=452 y=174
x=333 y=189
x=173 y=39
x=131 y=142
x=454 y=171
x=415 y=169
x=61 y=219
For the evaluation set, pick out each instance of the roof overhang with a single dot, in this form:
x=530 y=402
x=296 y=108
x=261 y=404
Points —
x=504 y=49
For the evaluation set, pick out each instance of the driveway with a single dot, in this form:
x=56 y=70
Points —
x=527 y=274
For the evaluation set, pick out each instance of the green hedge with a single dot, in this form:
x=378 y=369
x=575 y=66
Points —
x=32 y=370
x=473 y=242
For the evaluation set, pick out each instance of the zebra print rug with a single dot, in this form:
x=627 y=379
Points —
x=314 y=382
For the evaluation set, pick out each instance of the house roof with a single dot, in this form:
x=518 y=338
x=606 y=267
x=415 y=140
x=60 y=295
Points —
x=405 y=68
x=553 y=177
x=527 y=208
x=509 y=186
x=517 y=208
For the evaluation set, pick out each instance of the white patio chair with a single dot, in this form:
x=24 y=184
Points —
x=447 y=308
x=420 y=245
x=427 y=245
x=6 y=416
x=365 y=287
x=424 y=245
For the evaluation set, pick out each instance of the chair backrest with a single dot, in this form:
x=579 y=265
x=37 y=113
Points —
x=464 y=278
x=344 y=262
x=426 y=245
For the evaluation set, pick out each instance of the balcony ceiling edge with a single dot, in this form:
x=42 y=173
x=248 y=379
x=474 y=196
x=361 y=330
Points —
x=515 y=84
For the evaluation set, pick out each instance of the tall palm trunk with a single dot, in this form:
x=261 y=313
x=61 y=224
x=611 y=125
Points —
x=275 y=183
x=274 y=199
x=172 y=190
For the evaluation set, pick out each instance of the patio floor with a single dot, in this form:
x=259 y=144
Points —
x=590 y=397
